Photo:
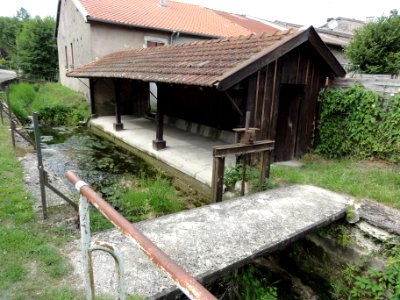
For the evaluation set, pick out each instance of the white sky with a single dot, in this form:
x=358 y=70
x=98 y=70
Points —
x=311 y=12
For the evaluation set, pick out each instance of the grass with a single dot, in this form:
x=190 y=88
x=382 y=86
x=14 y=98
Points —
x=152 y=198
x=55 y=104
x=31 y=266
x=379 y=181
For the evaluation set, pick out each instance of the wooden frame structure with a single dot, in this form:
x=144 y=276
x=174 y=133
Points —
x=219 y=153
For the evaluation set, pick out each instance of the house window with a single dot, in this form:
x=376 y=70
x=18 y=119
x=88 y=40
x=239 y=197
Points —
x=153 y=44
x=154 y=41
x=66 y=57
x=72 y=56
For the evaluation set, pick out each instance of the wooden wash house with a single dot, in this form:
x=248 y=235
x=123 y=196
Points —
x=277 y=77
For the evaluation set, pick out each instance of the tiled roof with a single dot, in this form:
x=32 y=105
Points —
x=255 y=26
x=176 y=16
x=200 y=63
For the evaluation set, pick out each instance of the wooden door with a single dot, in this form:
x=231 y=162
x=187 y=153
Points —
x=290 y=101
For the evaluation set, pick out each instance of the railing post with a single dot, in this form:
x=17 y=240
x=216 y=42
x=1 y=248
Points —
x=12 y=125
x=217 y=183
x=1 y=112
x=42 y=179
x=84 y=219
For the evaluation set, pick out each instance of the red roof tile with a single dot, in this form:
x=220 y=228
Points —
x=200 y=63
x=176 y=16
x=255 y=26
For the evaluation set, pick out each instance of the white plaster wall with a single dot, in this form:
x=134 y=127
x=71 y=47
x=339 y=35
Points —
x=108 y=38
x=94 y=40
x=73 y=29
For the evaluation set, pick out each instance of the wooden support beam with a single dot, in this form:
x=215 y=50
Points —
x=217 y=182
x=92 y=82
x=265 y=166
x=118 y=125
x=238 y=149
x=159 y=142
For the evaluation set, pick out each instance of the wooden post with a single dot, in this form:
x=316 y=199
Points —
x=243 y=185
x=118 y=125
x=1 y=111
x=217 y=183
x=12 y=124
x=159 y=142
x=42 y=175
x=92 y=83
x=265 y=166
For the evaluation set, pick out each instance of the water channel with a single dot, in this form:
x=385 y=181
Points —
x=97 y=161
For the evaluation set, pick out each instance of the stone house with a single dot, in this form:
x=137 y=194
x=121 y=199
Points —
x=87 y=30
x=336 y=33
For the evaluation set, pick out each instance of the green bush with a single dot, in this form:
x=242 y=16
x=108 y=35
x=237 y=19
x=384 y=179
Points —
x=56 y=105
x=359 y=123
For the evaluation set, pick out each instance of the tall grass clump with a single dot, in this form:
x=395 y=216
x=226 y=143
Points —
x=55 y=104
x=153 y=198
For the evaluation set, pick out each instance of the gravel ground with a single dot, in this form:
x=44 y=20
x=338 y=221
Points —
x=31 y=177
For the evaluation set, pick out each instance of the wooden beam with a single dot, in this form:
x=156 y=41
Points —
x=159 y=142
x=252 y=93
x=265 y=166
x=92 y=82
x=217 y=182
x=118 y=125
x=238 y=149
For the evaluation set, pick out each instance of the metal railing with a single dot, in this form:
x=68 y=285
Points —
x=43 y=175
x=186 y=283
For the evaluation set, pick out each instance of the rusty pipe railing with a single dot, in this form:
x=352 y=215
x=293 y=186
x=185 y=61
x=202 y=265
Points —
x=186 y=283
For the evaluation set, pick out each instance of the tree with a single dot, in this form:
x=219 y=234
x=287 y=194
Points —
x=22 y=14
x=376 y=46
x=9 y=28
x=37 y=48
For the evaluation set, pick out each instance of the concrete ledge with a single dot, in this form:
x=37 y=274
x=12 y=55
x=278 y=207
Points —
x=200 y=129
x=213 y=239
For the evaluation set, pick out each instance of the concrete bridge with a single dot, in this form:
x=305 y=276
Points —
x=213 y=239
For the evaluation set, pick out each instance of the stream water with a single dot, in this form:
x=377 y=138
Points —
x=97 y=161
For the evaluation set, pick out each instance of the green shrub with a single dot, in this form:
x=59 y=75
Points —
x=234 y=174
x=21 y=98
x=56 y=105
x=359 y=123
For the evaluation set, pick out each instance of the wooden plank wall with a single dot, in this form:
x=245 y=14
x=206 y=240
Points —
x=299 y=67
x=379 y=83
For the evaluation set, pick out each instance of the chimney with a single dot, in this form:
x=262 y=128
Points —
x=164 y=3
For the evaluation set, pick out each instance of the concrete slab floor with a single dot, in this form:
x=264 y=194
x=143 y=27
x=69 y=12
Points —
x=212 y=239
x=186 y=152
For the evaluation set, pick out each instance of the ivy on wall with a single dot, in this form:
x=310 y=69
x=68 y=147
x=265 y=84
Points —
x=359 y=123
